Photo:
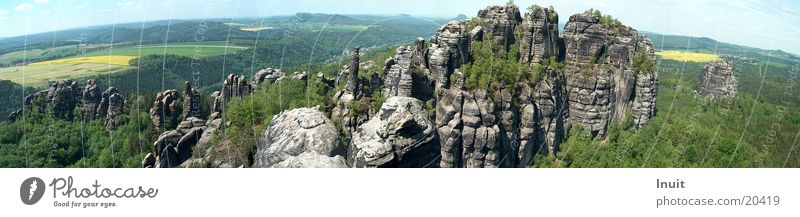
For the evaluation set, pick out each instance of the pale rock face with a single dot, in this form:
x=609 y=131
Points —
x=398 y=74
x=448 y=49
x=300 y=137
x=718 y=80
x=399 y=135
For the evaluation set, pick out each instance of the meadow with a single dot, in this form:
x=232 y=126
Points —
x=39 y=75
x=687 y=56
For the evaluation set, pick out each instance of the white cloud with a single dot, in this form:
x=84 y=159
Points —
x=3 y=15
x=24 y=7
x=41 y=1
x=46 y=12
x=80 y=7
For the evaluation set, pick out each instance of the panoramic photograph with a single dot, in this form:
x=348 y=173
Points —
x=399 y=84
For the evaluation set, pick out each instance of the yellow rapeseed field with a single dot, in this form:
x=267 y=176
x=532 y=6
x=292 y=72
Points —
x=687 y=56
x=113 y=60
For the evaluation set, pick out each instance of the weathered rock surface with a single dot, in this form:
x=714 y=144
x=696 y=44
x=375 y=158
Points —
x=115 y=107
x=191 y=102
x=268 y=75
x=467 y=127
x=300 y=137
x=166 y=107
x=447 y=50
x=344 y=99
x=500 y=24
x=399 y=135
x=539 y=39
x=601 y=78
x=718 y=80
x=397 y=73
x=175 y=146
x=90 y=99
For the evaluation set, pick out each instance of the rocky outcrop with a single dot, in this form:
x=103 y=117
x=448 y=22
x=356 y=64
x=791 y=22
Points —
x=114 y=105
x=175 y=146
x=447 y=50
x=399 y=135
x=500 y=25
x=166 y=107
x=191 y=102
x=64 y=97
x=90 y=100
x=234 y=87
x=301 y=137
x=467 y=127
x=345 y=99
x=644 y=104
x=397 y=73
x=539 y=39
x=601 y=77
x=268 y=75
x=717 y=80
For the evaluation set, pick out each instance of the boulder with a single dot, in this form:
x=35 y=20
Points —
x=299 y=137
x=399 y=135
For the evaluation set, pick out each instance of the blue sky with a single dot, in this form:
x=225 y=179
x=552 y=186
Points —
x=764 y=24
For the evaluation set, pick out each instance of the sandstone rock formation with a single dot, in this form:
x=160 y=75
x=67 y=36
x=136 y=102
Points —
x=191 y=102
x=447 y=50
x=166 y=107
x=63 y=97
x=601 y=77
x=397 y=73
x=175 y=146
x=500 y=24
x=301 y=137
x=90 y=99
x=539 y=39
x=717 y=80
x=114 y=105
x=343 y=100
x=399 y=135
x=268 y=75
x=467 y=127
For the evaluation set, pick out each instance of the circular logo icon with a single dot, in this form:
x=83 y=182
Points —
x=31 y=190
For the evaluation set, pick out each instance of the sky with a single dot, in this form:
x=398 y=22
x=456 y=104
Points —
x=768 y=24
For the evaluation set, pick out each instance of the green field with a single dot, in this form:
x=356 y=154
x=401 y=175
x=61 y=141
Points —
x=180 y=49
x=61 y=51
x=39 y=75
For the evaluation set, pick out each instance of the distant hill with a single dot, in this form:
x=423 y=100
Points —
x=708 y=45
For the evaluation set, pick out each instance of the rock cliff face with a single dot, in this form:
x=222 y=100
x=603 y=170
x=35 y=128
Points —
x=399 y=135
x=166 y=107
x=601 y=78
x=539 y=39
x=397 y=74
x=447 y=50
x=500 y=24
x=717 y=80
x=175 y=146
x=467 y=127
x=301 y=137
